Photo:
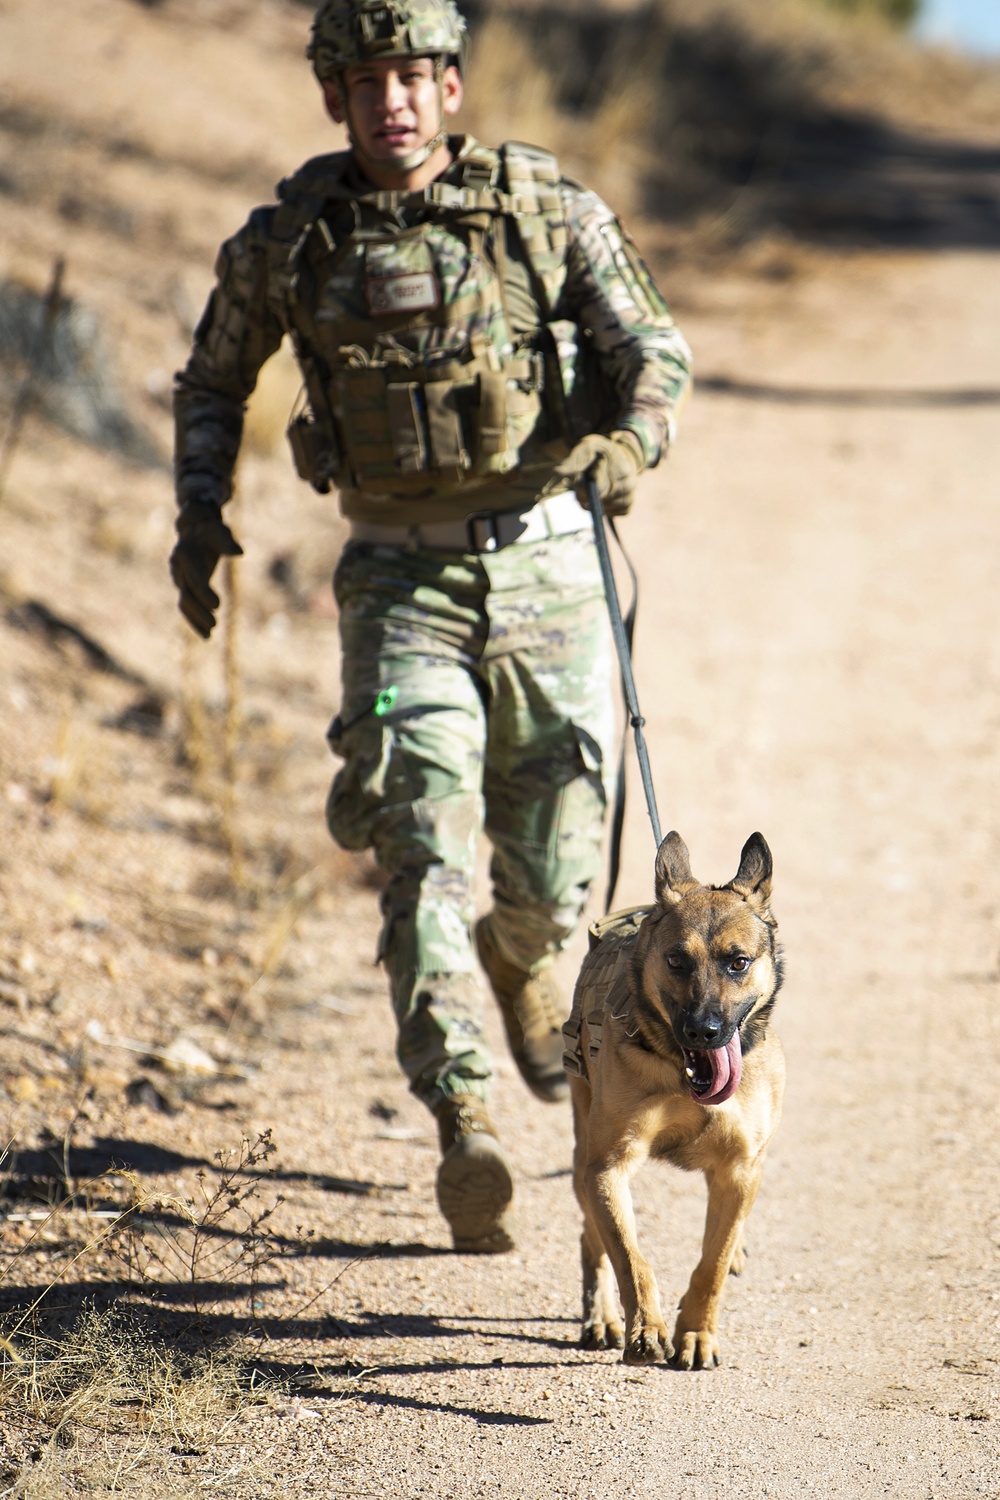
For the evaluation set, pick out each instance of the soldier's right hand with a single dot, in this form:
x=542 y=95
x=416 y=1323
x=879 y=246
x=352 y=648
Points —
x=613 y=463
x=202 y=538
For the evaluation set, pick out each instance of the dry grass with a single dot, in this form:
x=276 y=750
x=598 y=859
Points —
x=113 y=1404
x=112 y=1399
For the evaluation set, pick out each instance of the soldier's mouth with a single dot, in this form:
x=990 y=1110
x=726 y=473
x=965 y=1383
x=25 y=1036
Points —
x=713 y=1076
x=395 y=135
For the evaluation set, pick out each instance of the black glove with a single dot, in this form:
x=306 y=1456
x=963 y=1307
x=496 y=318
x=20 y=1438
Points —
x=614 y=463
x=203 y=537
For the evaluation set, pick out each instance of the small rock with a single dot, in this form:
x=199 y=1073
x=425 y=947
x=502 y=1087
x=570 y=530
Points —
x=14 y=994
x=185 y=1056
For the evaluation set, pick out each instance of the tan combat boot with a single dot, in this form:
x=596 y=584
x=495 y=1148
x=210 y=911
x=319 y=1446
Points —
x=532 y=1014
x=474 y=1182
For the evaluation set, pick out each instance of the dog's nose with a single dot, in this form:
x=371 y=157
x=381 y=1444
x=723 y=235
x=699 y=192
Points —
x=702 y=1031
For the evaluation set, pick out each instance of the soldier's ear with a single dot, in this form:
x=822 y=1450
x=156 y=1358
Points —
x=673 y=871
x=452 y=90
x=333 y=101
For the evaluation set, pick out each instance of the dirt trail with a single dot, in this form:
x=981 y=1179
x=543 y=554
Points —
x=817 y=657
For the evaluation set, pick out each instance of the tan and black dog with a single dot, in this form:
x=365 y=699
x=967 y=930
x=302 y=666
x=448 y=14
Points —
x=670 y=1056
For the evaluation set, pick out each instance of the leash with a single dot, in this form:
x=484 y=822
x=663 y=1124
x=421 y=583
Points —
x=622 y=634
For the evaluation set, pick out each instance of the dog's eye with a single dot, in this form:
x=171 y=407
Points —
x=739 y=965
x=675 y=962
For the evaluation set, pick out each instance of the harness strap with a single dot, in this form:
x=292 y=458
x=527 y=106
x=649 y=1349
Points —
x=603 y=991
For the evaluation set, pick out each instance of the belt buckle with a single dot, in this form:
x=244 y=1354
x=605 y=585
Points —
x=490 y=537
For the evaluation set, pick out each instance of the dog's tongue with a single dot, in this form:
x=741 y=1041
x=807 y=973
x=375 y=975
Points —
x=725 y=1065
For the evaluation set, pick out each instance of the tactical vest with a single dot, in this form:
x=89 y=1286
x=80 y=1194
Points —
x=430 y=358
x=603 y=991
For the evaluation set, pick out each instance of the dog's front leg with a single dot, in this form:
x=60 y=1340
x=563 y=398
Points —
x=731 y=1193
x=607 y=1189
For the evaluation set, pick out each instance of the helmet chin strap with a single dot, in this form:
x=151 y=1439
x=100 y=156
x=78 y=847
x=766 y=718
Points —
x=416 y=158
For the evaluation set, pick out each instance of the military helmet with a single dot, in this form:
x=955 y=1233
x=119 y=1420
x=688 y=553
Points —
x=356 y=31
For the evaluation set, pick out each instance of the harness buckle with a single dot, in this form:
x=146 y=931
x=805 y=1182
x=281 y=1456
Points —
x=483 y=531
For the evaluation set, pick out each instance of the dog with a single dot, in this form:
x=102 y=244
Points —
x=669 y=1055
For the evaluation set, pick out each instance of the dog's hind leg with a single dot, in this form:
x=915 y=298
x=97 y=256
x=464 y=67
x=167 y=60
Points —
x=602 y=1325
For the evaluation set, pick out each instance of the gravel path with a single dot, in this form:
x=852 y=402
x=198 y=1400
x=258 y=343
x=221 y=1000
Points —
x=817 y=658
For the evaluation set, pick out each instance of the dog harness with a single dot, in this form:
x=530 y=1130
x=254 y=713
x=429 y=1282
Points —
x=603 y=991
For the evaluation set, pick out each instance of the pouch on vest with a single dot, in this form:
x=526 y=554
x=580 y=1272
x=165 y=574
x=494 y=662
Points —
x=313 y=452
x=412 y=425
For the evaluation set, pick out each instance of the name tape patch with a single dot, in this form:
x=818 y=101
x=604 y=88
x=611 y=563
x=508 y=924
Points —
x=410 y=291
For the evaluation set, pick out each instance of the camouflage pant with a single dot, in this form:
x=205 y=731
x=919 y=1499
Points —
x=496 y=713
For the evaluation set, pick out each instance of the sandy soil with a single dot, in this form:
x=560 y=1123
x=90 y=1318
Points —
x=817 y=657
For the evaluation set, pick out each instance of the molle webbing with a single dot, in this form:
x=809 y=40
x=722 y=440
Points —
x=397 y=422
x=603 y=990
x=400 y=422
x=530 y=196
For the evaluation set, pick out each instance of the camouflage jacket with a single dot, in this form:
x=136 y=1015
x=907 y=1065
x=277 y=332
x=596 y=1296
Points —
x=439 y=345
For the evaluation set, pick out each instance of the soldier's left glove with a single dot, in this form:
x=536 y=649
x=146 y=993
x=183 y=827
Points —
x=202 y=538
x=614 y=463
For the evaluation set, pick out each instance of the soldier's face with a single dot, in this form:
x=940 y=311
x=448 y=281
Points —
x=395 y=106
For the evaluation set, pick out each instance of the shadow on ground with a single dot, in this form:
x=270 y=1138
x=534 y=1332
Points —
x=51 y=1173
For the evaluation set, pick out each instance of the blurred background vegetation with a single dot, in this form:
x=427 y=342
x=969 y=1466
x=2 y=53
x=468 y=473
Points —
x=899 y=12
x=824 y=119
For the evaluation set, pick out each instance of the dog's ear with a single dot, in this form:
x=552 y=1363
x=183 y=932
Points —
x=673 y=870
x=752 y=880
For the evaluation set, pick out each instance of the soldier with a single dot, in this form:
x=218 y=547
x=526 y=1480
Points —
x=476 y=334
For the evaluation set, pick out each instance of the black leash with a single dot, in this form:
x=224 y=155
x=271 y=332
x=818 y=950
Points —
x=622 y=633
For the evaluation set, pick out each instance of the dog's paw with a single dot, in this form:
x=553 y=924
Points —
x=600 y=1335
x=650 y=1346
x=696 y=1350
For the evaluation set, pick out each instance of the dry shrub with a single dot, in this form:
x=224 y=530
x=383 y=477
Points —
x=112 y=1373
x=896 y=12
x=113 y=1397
x=670 y=108
x=77 y=774
x=842 y=53
x=213 y=1243
x=509 y=84
x=115 y=1402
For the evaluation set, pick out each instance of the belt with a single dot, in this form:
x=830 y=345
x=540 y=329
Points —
x=486 y=531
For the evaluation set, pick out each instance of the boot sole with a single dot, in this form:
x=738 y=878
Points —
x=474 y=1192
